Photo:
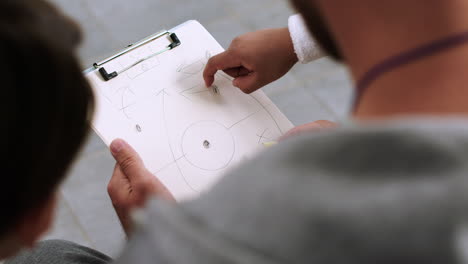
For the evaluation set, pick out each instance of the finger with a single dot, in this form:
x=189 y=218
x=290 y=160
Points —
x=221 y=61
x=326 y=124
x=118 y=187
x=116 y=175
x=248 y=83
x=128 y=160
x=316 y=126
x=236 y=72
x=119 y=179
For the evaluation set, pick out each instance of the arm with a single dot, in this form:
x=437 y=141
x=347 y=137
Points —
x=259 y=58
x=132 y=184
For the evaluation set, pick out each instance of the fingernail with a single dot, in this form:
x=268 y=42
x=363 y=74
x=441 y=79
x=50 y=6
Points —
x=117 y=145
x=234 y=83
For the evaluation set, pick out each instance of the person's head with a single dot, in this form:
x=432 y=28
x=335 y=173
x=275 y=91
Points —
x=46 y=109
x=345 y=29
x=318 y=27
x=366 y=33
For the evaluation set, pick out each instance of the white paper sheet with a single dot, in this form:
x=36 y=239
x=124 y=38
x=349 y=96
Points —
x=186 y=134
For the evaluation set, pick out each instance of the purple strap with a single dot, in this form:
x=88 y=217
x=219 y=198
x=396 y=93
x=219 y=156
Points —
x=406 y=57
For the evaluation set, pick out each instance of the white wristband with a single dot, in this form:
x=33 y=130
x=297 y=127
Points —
x=304 y=45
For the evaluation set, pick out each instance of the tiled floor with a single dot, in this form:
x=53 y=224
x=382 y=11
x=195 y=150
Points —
x=320 y=90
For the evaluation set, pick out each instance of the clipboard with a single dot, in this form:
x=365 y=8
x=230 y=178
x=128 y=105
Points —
x=175 y=42
x=152 y=95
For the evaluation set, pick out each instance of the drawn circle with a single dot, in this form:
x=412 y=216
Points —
x=208 y=145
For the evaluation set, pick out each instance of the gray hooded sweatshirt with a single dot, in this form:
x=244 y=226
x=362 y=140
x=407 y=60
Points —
x=385 y=193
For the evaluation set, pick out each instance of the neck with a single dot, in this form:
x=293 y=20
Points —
x=434 y=85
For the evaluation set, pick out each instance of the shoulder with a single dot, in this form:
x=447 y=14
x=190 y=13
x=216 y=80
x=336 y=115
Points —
x=357 y=184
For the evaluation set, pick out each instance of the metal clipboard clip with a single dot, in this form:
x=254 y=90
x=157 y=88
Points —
x=175 y=42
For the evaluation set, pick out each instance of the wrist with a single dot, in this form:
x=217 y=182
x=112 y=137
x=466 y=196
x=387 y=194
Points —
x=289 y=45
x=303 y=44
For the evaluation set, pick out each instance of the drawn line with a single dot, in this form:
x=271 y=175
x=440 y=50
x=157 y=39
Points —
x=262 y=136
x=120 y=89
x=187 y=98
x=169 y=164
x=162 y=91
x=258 y=101
x=243 y=119
x=199 y=92
x=184 y=70
x=193 y=87
x=123 y=108
x=201 y=168
x=274 y=120
x=179 y=69
x=153 y=63
x=105 y=96
x=170 y=145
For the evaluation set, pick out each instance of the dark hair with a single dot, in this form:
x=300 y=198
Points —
x=318 y=28
x=46 y=104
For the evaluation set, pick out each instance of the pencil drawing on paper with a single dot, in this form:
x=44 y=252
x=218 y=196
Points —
x=202 y=131
x=143 y=67
x=209 y=145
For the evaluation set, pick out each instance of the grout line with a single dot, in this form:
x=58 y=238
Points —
x=77 y=220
